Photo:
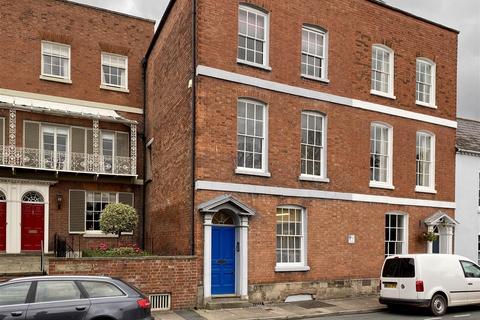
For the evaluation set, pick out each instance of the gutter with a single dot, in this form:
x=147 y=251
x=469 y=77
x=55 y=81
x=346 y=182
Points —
x=468 y=152
x=145 y=132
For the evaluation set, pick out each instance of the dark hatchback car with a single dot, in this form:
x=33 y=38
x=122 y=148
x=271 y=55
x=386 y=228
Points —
x=72 y=298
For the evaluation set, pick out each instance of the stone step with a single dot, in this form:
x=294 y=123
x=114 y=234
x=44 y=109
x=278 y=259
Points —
x=227 y=303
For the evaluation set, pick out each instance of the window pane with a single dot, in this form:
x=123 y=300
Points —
x=311 y=144
x=101 y=289
x=394 y=234
x=14 y=293
x=56 y=291
x=250 y=138
x=251 y=26
x=289 y=235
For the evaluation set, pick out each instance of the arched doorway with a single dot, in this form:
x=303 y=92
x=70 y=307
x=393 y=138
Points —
x=3 y=221
x=225 y=256
x=223 y=253
x=33 y=213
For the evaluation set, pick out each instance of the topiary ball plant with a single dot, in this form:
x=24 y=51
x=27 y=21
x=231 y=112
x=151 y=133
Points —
x=118 y=218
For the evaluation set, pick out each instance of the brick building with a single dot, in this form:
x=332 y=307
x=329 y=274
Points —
x=293 y=145
x=71 y=121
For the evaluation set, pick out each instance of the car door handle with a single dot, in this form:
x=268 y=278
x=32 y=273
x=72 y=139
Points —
x=16 y=313
x=80 y=308
x=470 y=284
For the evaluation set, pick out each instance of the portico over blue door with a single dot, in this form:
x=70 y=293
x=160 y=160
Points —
x=223 y=260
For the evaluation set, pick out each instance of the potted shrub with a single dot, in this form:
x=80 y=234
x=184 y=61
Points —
x=429 y=236
x=118 y=218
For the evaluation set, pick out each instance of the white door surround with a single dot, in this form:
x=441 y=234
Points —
x=14 y=189
x=241 y=214
x=446 y=226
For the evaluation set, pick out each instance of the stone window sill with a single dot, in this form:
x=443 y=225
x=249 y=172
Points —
x=292 y=268
x=305 y=177
x=55 y=79
x=106 y=87
x=252 y=172
x=255 y=65
x=383 y=94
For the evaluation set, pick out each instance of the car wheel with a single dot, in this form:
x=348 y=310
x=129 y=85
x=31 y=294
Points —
x=438 y=305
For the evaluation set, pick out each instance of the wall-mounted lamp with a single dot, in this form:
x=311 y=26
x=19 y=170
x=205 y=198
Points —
x=59 y=201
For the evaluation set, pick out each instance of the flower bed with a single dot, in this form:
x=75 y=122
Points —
x=104 y=251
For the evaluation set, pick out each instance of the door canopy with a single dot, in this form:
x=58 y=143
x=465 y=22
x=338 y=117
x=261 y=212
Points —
x=226 y=202
x=440 y=218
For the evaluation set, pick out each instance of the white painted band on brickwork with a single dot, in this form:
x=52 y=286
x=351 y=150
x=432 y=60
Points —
x=319 y=194
x=57 y=99
x=317 y=95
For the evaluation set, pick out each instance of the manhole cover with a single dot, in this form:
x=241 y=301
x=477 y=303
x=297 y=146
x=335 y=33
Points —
x=312 y=304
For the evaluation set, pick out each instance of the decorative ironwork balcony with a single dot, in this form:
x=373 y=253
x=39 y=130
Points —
x=66 y=161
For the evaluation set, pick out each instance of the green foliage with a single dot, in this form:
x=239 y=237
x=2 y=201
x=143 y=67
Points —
x=117 y=218
x=429 y=236
x=104 y=251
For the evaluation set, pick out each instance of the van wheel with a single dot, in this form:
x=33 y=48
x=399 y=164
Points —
x=438 y=305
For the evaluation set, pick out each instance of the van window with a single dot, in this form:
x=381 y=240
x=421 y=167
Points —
x=399 y=268
x=470 y=269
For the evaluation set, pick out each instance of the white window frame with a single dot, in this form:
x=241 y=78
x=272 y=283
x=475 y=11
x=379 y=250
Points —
x=432 y=103
x=52 y=77
x=391 y=74
x=296 y=266
x=251 y=171
x=324 y=76
x=106 y=133
x=266 y=41
x=405 y=233
x=323 y=154
x=97 y=232
x=108 y=86
x=389 y=183
x=431 y=187
x=478 y=199
x=55 y=129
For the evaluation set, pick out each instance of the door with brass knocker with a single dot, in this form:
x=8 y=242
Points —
x=223 y=260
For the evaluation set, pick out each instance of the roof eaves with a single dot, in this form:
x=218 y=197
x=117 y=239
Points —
x=108 y=11
x=385 y=5
x=159 y=29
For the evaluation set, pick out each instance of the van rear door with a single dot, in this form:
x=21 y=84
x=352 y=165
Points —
x=406 y=279
x=398 y=278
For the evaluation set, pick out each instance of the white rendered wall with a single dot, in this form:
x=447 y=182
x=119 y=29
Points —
x=467 y=214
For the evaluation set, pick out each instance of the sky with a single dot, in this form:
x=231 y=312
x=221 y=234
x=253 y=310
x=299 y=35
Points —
x=462 y=15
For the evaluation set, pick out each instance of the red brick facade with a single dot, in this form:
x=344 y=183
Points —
x=169 y=114
x=88 y=31
x=353 y=27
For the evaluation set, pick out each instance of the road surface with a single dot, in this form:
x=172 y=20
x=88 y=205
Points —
x=459 y=313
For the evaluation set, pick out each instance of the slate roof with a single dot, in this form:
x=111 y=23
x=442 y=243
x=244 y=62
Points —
x=468 y=136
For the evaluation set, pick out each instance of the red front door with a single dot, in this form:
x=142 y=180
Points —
x=32 y=226
x=3 y=226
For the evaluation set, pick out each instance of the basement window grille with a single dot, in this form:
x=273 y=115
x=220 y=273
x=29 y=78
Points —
x=160 y=302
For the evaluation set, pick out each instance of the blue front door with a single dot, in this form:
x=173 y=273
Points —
x=223 y=260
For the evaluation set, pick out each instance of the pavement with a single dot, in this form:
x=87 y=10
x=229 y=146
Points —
x=283 y=311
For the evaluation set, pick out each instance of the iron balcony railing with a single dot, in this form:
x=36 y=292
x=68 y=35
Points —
x=66 y=161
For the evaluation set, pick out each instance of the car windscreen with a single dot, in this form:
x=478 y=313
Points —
x=399 y=268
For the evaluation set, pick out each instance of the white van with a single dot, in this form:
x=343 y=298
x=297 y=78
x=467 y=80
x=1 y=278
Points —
x=436 y=281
